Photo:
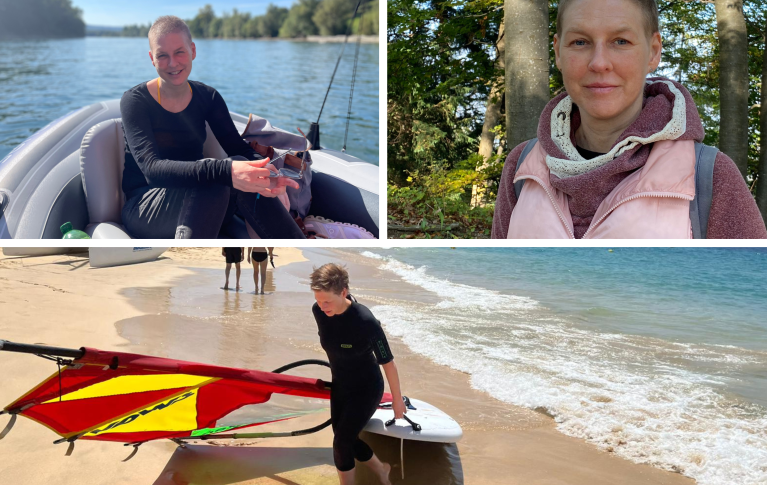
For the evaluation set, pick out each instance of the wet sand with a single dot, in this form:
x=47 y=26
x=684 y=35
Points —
x=175 y=308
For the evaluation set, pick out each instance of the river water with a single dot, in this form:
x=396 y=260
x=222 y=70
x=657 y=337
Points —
x=280 y=80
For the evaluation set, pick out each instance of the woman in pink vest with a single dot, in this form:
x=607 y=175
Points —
x=616 y=154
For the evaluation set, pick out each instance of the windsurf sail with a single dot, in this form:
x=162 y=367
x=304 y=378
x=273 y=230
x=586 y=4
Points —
x=132 y=398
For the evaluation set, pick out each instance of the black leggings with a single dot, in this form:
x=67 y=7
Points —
x=350 y=411
x=201 y=212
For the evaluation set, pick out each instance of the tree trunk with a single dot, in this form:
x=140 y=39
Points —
x=761 y=181
x=733 y=81
x=492 y=117
x=527 y=67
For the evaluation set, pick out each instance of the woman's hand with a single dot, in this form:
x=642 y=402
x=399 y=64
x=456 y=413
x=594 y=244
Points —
x=253 y=176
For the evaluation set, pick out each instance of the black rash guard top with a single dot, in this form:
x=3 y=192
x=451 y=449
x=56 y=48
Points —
x=164 y=149
x=355 y=344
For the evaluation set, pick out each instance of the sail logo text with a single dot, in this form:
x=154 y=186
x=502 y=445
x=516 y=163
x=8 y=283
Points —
x=143 y=412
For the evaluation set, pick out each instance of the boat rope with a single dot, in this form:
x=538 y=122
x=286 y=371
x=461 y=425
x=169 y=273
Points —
x=348 y=32
x=351 y=91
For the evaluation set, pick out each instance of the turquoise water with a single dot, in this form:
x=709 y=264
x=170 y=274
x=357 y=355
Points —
x=282 y=81
x=658 y=355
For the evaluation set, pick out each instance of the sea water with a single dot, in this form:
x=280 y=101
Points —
x=658 y=355
x=281 y=80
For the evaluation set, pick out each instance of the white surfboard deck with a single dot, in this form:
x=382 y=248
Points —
x=101 y=257
x=436 y=426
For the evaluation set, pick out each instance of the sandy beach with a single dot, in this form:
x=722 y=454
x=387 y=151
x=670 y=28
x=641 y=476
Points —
x=174 y=307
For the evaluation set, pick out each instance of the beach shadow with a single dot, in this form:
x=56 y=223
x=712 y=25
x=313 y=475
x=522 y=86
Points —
x=425 y=463
x=213 y=465
x=76 y=260
x=75 y=264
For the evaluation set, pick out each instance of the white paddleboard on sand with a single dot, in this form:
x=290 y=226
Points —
x=436 y=426
x=105 y=257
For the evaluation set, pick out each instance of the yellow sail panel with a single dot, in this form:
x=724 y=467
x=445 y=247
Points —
x=131 y=384
x=175 y=414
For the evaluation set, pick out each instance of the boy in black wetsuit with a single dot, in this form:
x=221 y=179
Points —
x=355 y=345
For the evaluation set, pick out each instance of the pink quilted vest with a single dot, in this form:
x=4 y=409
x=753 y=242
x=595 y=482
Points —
x=653 y=202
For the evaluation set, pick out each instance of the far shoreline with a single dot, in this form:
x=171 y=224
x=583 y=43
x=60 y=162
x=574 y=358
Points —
x=319 y=39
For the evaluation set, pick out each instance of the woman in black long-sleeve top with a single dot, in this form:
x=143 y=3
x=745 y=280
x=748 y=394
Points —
x=356 y=345
x=170 y=189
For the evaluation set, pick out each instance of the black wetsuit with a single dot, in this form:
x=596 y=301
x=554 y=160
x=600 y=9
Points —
x=356 y=345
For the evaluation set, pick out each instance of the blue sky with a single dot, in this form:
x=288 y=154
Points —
x=118 y=13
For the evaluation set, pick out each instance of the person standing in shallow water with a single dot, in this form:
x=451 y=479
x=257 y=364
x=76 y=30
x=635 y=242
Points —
x=258 y=257
x=355 y=345
x=233 y=256
x=615 y=153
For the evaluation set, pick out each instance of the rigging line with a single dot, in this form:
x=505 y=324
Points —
x=348 y=32
x=58 y=363
x=351 y=91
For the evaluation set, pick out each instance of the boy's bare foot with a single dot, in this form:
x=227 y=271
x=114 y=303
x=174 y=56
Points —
x=385 y=474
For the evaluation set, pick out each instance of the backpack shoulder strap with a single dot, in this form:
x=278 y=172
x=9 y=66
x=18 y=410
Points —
x=700 y=206
x=519 y=183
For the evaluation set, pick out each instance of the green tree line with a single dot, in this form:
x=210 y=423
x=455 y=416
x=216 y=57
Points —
x=40 y=19
x=456 y=107
x=305 y=17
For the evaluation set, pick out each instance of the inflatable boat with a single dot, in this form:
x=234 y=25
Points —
x=60 y=175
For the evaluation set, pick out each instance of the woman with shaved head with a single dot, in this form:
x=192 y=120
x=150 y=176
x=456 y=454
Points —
x=619 y=154
x=170 y=189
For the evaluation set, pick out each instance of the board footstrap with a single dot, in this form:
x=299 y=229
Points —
x=413 y=424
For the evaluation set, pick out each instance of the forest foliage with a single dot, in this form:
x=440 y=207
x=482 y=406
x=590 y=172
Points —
x=441 y=69
x=40 y=19
x=304 y=17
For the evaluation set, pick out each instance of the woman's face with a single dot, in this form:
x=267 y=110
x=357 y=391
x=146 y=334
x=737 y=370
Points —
x=172 y=55
x=331 y=303
x=605 y=54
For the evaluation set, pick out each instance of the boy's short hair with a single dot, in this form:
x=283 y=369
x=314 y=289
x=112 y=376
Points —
x=648 y=7
x=331 y=278
x=168 y=24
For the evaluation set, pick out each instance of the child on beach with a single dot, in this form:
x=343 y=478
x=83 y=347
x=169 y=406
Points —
x=355 y=345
